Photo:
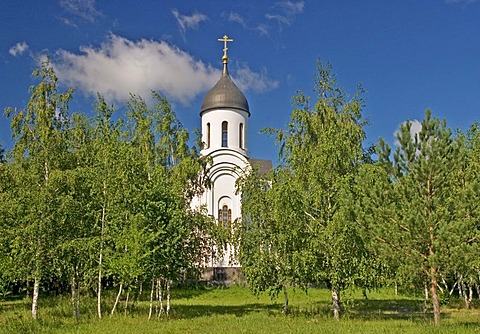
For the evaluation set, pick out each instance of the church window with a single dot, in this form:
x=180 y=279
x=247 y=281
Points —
x=240 y=135
x=225 y=216
x=208 y=135
x=224 y=134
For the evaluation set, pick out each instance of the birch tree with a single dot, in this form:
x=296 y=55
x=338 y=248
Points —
x=321 y=151
x=106 y=179
x=39 y=148
x=271 y=236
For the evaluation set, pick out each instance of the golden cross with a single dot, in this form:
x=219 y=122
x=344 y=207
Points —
x=225 y=39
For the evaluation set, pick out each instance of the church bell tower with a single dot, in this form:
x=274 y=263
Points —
x=224 y=113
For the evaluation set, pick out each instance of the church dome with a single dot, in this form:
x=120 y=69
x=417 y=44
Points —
x=225 y=95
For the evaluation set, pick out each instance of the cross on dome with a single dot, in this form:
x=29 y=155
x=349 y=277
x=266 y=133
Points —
x=225 y=40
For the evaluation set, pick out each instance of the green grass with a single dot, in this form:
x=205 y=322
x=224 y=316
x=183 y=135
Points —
x=236 y=310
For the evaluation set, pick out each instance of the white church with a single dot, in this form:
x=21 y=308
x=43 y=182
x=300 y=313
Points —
x=225 y=113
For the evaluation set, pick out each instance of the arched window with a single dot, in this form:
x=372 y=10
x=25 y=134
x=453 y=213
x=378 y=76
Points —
x=208 y=135
x=225 y=216
x=224 y=134
x=240 y=135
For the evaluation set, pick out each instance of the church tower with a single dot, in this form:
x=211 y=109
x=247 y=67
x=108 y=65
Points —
x=224 y=113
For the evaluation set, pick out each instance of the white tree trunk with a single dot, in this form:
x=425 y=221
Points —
x=140 y=290
x=469 y=297
x=126 y=303
x=100 y=257
x=117 y=299
x=36 y=290
x=75 y=297
x=336 y=303
x=425 y=296
x=151 y=299
x=159 y=297
x=99 y=285
x=168 y=297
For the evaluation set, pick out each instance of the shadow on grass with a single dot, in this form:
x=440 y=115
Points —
x=59 y=311
x=193 y=311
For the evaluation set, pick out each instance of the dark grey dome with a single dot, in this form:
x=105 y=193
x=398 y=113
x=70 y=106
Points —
x=225 y=94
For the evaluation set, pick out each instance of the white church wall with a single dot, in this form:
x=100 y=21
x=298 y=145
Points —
x=234 y=118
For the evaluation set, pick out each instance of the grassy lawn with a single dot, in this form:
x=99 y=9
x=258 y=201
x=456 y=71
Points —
x=236 y=310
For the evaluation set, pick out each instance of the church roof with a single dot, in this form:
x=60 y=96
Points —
x=225 y=95
x=264 y=166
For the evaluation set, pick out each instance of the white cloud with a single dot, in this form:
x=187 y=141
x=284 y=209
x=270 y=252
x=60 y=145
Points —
x=18 y=49
x=262 y=29
x=278 y=18
x=235 y=17
x=286 y=11
x=415 y=128
x=84 y=9
x=246 y=79
x=120 y=67
x=189 y=22
x=292 y=8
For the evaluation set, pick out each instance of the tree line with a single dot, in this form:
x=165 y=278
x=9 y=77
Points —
x=105 y=200
x=335 y=213
x=87 y=202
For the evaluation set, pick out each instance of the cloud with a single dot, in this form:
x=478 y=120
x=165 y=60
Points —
x=415 y=128
x=246 y=79
x=235 y=17
x=262 y=29
x=292 y=8
x=120 y=67
x=18 y=49
x=188 y=22
x=84 y=9
x=285 y=12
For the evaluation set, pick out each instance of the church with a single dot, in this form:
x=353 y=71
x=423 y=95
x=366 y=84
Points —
x=224 y=122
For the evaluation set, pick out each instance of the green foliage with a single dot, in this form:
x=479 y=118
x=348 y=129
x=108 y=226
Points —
x=424 y=202
x=302 y=219
x=85 y=200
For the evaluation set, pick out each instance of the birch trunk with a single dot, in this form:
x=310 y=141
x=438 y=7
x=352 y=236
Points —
x=461 y=288
x=336 y=303
x=100 y=257
x=151 y=299
x=36 y=289
x=468 y=299
x=140 y=290
x=117 y=299
x=75 y=297
x=159 y=297
x=126 y=303
x=168 y=297
x=99 y=284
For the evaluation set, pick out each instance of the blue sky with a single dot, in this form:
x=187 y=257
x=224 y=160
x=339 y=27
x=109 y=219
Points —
x=408 y=54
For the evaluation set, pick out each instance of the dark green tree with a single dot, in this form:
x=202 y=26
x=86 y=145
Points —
x=417 y=211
